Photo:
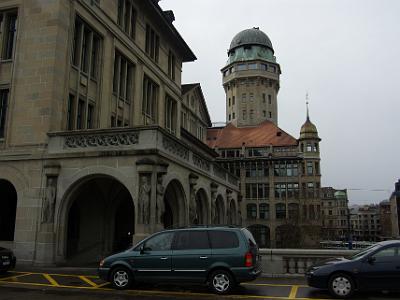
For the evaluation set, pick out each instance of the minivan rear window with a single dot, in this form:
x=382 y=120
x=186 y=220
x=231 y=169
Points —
x=249 y=237
x=185 y=240
x=223 y=239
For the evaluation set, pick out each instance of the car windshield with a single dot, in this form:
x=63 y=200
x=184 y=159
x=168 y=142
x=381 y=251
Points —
x=364 y=252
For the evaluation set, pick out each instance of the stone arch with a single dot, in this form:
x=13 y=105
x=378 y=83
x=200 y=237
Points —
x=288 y=236
x=202 y=207
x=261 y=234
x=87 y=218
x=219 y=215
x=8 y=210
x=174 y=204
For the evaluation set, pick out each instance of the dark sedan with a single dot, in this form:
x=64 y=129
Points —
x=7 y=260
x=375 y=268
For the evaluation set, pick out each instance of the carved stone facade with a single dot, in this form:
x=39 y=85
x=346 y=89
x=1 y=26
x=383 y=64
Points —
x=92 y=154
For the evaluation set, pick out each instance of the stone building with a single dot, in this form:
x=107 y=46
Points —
x=365 y=223
x=385 y=215
x=335 y=214
x=395 y=210
x=92 y=155
x=279 y=174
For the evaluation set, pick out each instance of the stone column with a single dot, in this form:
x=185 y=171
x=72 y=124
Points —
x=193 y=215
x=213 y=199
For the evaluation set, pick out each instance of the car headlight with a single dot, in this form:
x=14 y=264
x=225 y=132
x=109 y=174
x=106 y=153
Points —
x=101 y=263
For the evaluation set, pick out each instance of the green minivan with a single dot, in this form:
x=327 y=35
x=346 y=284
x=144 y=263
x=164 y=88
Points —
x=221 y=257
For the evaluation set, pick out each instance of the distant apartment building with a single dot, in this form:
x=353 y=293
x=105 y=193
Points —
x=395 y=210
x=385 y=217
x=335 y=210
x=365 y=223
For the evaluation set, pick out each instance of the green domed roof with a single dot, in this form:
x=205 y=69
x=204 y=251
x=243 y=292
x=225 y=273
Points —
x=308 y=130
x=253 y=36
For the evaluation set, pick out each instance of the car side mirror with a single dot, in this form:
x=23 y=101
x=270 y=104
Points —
x=371 y=260
x=144 y=249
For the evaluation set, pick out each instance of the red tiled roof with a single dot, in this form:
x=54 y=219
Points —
x=265 y=134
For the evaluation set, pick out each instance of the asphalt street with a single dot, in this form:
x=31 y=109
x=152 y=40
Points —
x=70 y=284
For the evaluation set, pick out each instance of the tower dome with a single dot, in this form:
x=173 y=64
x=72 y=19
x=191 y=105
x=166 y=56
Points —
x=253 y=36
x=308 y=130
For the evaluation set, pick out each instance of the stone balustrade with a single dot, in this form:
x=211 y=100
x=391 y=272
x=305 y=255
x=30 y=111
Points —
x=278 y=262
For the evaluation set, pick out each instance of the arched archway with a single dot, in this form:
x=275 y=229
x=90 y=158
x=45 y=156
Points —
x=219 y=217
x=202 y=208
x=100 y=218
x=288 y=236
x=261 y=234
x=8 y=210
x=174 y=204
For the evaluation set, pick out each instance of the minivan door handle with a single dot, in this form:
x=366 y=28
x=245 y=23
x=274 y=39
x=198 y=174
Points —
x=164 y=258
x=203 y=257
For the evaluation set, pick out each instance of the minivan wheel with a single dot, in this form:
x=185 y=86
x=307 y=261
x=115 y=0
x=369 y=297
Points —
x=341 y=285
x=121 y=278
x=221 y=282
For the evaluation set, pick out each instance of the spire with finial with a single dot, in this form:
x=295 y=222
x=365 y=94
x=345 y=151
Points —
x=308 y=113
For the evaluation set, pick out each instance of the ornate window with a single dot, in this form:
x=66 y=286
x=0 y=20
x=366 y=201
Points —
x=170 y=114
x=251 y=211
x=280 y=210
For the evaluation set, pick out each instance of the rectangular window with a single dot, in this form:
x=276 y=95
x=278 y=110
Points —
x=3 y=111
x=170 y=114
x=152 y=43
x=251 y=113
x=127 y=17
x=70 y=112
x=251 y=96
x=8 y=32
x=241 y=67
x=263 y=98
x=310 y=168
x=171 y=65
x=244 y=114
x=150 y=100
x=90 y=113
x=223 y=239
x=187 y=240
x=269 y=99
x=123 y=78
x=233 y=100
x=244 y=97
x=80 y=115
x=87 y=46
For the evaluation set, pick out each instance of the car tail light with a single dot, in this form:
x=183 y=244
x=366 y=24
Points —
x=248 y=259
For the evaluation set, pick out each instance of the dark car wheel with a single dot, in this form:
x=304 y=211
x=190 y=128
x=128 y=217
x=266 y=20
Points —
x=121 y=278
x=341 y=285
x=221 y=282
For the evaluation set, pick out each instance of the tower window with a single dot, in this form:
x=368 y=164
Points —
x=171 y=65
x=233 y=100
x=263 y=98
x=244 y=114
x=269 y=99
x=229 y=117
x=244 y=97
x=233 y=116
x=9 y=30
x=264 y=113
x=229 y=102
x=252 y=66
x=251 y=113
x=270 y=114
x=251 y=96
x=241 y=67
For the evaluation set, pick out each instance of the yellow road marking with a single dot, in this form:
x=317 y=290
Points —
x=144 y=292
x=88 y=281
x=103 y=284
x=51 y=280
x=62 y=275
x=273 y=284
x=15 y=276
x=293 y=292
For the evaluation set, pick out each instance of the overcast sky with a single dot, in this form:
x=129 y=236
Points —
x=345 y=53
